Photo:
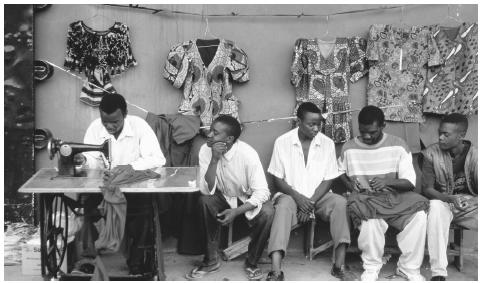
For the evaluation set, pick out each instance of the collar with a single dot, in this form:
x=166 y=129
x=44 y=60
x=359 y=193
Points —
x=295 y=138
x=127 y=131
x=232 y=151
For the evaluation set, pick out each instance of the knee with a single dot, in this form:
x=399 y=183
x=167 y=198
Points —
x=435 y=207
x=340 y=204
x=286 y=202
x=266 y=214
x=204 y=201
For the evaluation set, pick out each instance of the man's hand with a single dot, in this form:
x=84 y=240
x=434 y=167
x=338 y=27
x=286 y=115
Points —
x=378 y=184
x=79 y=159
x=227 y=216
x=303 y=203
x=218 y=149
x=303 y=217
x=462 y=202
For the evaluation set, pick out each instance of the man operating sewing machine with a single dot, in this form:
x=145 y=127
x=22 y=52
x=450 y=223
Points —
x=134 y=147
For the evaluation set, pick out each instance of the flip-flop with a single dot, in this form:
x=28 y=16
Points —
x=253 y=273
x=196 y=274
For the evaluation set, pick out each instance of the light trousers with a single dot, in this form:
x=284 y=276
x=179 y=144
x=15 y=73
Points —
x=411 y=241
x=439 y=219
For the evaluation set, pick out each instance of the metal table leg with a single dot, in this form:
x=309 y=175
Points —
x=159 y=254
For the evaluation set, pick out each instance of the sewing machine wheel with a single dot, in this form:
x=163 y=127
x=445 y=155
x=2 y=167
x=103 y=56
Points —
x=55 y=227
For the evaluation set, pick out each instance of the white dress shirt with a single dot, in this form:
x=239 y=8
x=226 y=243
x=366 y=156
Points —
x=287 y=162
x=239 y=175
x=136 y=145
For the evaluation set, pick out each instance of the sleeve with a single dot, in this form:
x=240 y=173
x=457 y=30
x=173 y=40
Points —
x=299 y=67
x=238 y=65
x=150 y=153
x=357 y=58
x=177 y=65
x=406 y=168
x=257 y=182
x=276 y=166
x=435 y=58
x=342 y=162
x=94 y=159
x=428 y=175
x=205 y=156
x=75 y=47
x=123 y=55
x=332 y=170
x=372 y=51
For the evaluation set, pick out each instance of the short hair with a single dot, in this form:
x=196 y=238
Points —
x=307 y=107
x=234 y=125
x=370 y=114
x=456 y=118
x=111 y=102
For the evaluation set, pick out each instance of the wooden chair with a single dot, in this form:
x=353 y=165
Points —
x=240 y=247
x=455 y=248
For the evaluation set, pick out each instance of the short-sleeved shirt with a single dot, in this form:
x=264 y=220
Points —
x=389 y=158
x=136 y=145
x=239 y=175
x=460 y=185
x=207 y=88
x=324 y=81
x=287 y=162
x=398 y=59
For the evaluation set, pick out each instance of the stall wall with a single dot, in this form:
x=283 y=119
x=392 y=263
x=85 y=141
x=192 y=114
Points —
x=268 y=41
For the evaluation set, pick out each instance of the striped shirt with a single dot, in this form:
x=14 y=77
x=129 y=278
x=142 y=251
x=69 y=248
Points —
x=389 y=158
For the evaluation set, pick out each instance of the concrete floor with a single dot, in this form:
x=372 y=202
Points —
x=296 y=267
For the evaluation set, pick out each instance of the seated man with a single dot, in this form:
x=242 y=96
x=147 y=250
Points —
x=133 y=143
x=303 y=166
x=450 y=180
x=231 y=170
x=379 y=172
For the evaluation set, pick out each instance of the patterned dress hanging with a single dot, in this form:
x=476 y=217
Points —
x=207 y=89
x=453 y=86
x=324 y=80
x=399 y=58
x=99 y=54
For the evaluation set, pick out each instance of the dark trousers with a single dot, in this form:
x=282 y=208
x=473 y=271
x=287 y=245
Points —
x=210 y=205
x=138 y=232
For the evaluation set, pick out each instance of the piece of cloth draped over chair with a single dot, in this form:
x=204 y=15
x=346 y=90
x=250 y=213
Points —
x=180 y=142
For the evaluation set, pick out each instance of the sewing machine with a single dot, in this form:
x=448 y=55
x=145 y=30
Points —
x=67 y=151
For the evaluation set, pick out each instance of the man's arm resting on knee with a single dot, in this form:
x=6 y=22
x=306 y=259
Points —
x=302 y=202
x=321 y=190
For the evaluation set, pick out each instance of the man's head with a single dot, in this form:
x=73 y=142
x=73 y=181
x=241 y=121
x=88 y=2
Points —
x=371 y=124
x=225 y=128
x=309 y=119
x=113 y=110
x=452 y=130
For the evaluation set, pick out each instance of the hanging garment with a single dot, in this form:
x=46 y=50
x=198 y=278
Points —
x=398 y=58
x=207 y=86
x=453 y=86
x=177 y=135
x=323 y=80
x=99 y=54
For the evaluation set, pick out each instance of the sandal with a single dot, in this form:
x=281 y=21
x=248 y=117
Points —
x=253 y=273
x=196 y=274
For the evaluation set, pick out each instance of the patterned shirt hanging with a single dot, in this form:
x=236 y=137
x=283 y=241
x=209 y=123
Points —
x=453 y=86
x=207 y=89
x=99 y=54
x=324 y=80
x=398 y=58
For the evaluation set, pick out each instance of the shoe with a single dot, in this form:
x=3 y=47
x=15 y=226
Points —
x=369 y=276
x=272 y=276
x=343 y=274
x=415 y=277
x=438 y=278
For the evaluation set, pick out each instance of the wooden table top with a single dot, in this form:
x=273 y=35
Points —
x=172 y=180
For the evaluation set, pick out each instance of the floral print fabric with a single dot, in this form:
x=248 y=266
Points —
x=399 y=57
x=207 y=89
x=99 y=54
x=324 y=80
x=453 y=86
